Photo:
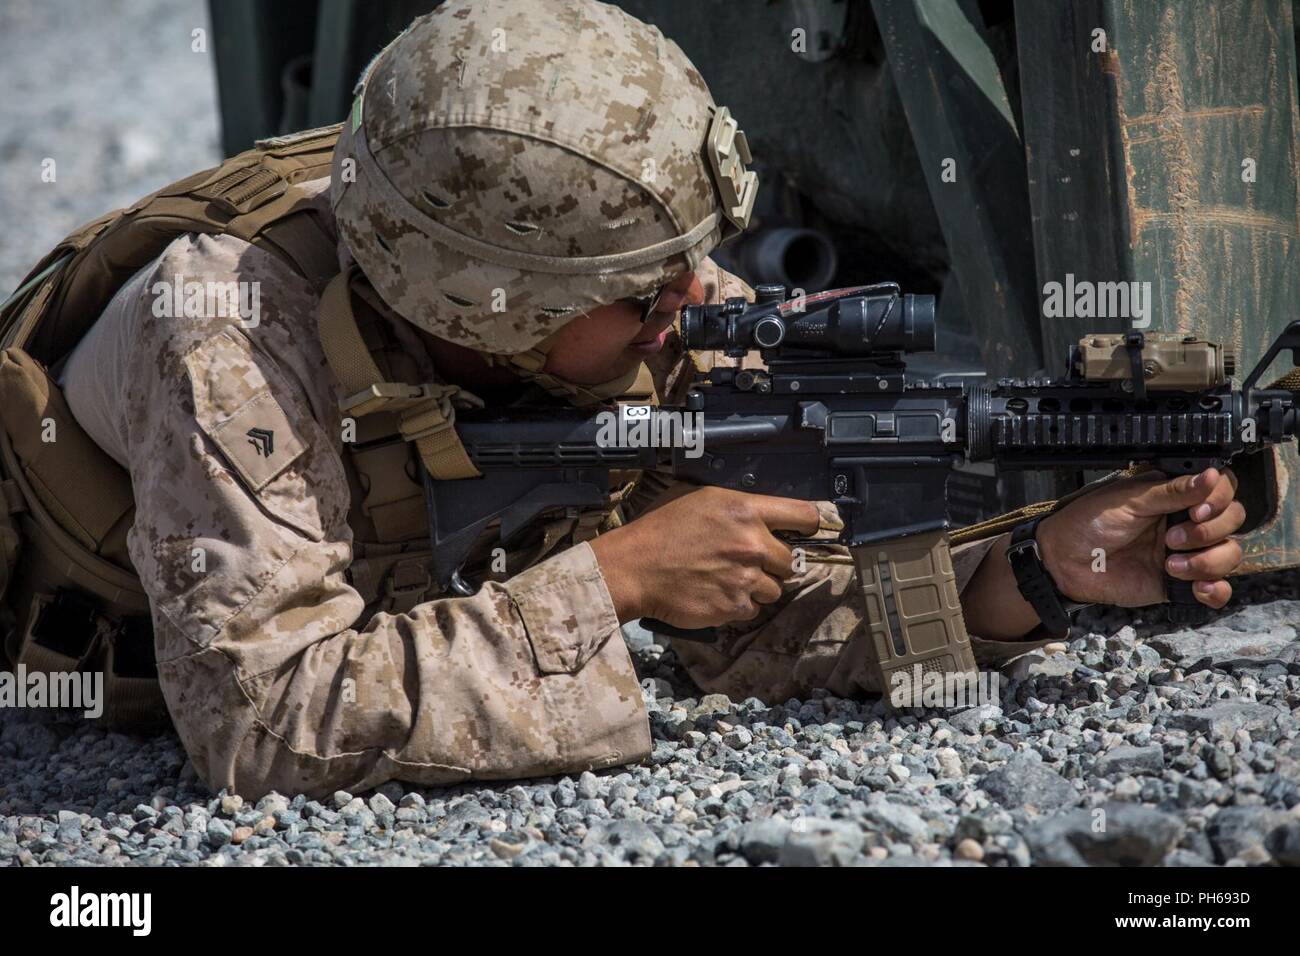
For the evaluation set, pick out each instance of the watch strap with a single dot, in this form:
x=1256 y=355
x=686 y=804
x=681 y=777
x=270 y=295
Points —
x=1035 y=582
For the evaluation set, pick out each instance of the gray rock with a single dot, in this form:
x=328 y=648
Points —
x=1131 y=760
x=636 y=636
x=465 y=815
x=1234 y=831
x=1259 y=631
x=1283 y=843
x=633 y=841
x=714 y=704
x=950 y=764
x=969 y=721
x=1025 y=781
x=821 y=842
x=1144 y=657
x=738 y=738
x=760 y=841
x=1118 y=834
x=657 y=688
x=272 y=803
x=1037 y=664
x=219 y=833
x=896 y=821
x=1181 y=857
x=30 y=739
x=1225 y=719
x=588 y=785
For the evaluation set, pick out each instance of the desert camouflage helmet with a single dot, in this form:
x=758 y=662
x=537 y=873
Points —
x=510 y=164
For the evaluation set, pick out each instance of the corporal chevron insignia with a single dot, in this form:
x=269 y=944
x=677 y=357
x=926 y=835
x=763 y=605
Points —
x=262 y=440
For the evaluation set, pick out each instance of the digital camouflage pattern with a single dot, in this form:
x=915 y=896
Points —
x=492 y=129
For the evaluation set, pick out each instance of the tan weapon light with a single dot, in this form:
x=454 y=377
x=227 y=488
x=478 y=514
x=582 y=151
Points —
x=1169 y=360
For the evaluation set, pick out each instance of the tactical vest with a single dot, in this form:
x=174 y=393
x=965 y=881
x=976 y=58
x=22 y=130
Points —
x=69 y=597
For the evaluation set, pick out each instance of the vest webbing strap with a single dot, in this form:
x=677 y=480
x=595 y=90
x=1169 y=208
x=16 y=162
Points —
x=425 y=412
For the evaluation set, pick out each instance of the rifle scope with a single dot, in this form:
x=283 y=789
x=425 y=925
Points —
x=868 y=320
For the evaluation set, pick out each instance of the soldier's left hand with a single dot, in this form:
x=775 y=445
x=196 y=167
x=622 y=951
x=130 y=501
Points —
x=1127 y=520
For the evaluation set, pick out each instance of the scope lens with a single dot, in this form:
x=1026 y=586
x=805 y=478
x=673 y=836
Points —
x=704 y=327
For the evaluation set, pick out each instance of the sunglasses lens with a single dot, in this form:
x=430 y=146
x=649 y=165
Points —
x=648 y=304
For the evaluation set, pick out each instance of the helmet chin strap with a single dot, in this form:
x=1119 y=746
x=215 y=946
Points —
x=528 y=366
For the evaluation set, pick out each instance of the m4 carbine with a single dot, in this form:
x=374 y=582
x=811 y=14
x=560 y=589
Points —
x=835 y=416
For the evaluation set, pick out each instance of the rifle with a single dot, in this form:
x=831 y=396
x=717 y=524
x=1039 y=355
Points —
x=835 y=416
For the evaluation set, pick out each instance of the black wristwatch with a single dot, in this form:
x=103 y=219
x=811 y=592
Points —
x=1035 y=583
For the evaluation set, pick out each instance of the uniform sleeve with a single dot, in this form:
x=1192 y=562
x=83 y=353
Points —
x=241 y=539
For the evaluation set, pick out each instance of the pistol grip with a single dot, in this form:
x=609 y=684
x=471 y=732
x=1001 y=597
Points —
x=914 y=615
x=1183 y=608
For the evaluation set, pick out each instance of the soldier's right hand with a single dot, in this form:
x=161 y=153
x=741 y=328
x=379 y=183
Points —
x=705 y=558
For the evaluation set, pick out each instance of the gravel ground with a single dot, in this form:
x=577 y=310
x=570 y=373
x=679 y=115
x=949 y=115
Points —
x=1185 y=741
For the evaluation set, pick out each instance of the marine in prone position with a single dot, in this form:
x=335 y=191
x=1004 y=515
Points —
x=497 y=223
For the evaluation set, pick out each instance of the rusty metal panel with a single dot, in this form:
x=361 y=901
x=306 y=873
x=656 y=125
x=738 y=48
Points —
x=1170 y=158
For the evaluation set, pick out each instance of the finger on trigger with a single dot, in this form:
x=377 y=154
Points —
x=789 y=514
